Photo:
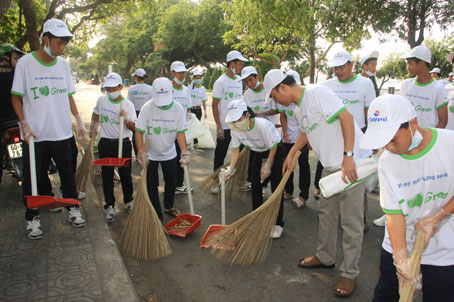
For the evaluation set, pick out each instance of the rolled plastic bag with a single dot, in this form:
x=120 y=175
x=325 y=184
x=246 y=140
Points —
x=371 y=182
x=195 y=128
x=206 y=140
x=333 y=184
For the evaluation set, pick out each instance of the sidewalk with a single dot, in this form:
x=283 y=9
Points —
x=67 y=264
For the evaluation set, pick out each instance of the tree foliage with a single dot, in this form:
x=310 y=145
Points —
x=394 y=67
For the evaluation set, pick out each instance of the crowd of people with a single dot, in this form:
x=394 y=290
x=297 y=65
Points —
x=342 y=120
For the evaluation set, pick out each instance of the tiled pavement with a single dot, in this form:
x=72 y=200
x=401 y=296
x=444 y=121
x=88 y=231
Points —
x=67 y=264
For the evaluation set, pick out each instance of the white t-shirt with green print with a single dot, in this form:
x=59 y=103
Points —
x=109 y=117
x=356 y=94
x=161 y=125
x=426 y=98
x=450 y=98
x=139 y=94
x=256 y=100
x=226 y=89
x=198 y=95
x=417 y=186
x=45 y=90
x=317 y=112
x=293 y=128
x=262 y=136
x=183 y=96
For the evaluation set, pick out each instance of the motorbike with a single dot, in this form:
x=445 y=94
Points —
x=10 y=135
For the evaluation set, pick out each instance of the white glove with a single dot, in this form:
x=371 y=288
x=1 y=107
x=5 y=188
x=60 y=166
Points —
x=27 y=131
x=184 y=160
x=94 y=128
x=81 y=131
x=402 y=264
x=227 y=173
x=265 y=172
x=143 y=159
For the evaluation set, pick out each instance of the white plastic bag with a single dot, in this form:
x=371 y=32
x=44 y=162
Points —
x=371 y=182
x=206 y=140
x=195 y=128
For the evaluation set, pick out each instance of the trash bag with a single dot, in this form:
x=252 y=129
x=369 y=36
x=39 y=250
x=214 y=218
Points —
x=371 y=182
x=195 y=128
x=206 y=140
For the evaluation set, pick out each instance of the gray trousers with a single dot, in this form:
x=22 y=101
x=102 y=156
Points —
x=350 y=206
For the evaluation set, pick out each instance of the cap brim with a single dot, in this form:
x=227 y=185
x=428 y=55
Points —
x=233 y=116
x=246 y=76
x=268 y=99
x=110 y=85
x=181 y=70
x=376 y=138
x=338 y=63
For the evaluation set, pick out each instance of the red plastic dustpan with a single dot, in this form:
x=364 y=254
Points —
x=116 y=161
x=43 y=202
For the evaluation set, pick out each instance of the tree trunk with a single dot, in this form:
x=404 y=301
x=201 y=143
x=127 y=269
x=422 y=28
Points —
x=312 y=66
x=32 y=27
x=4 y=7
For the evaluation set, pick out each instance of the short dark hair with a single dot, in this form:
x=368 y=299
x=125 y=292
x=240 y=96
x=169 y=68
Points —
x=439 y=74
x=250 y=111
x=404 y=125
x=419 y=60
x=289 y=80
x=234 y=61
x=51 y=36
x=141 y=78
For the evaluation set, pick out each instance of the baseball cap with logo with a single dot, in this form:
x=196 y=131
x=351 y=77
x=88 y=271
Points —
x=340 y=58
x=112 y=80
x=436 y=70
x=419 y=52
x=140 y=73
x=57 y=28
x=385 y=115
x=235 y=110
x=235 y=55
x=295 y=75
x=197 y=73
x=247 y=71
x=272 y=78
x=373 y=55
x=162 y=92
x=178 y=66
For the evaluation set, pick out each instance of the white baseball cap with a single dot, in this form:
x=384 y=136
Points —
x=57 y=28
x=436 y=70
x=162 y=92
x=140 y=73
x=373 y=55
x=450 y=57
x=385 y=115
x=451 y=74
x=235 y=110
x=295 y=75
x=197 y=73
x=178 y=66
x=235 y=55
x=340 y=58
x=420 y=52
x=272 y=78
x=112 y=80
x=247 y=71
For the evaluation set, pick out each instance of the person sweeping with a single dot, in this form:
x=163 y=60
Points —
x=107 y=112
x=162 y=121
x=264 y=141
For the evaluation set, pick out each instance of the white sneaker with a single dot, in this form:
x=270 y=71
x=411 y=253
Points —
x=75 y=217
x=82 y=195
x=216 y=189
x=34 y=228
x=247 y=186
x=380 y=222
x=182 y=190
x=110 y=213
x=129 y=205
x=277 y=232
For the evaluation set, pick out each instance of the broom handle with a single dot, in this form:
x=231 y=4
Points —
x=408 y=289
x=288 y=172
x=143 y=172
x=120 y=139
x=188 y=187
x=31 y=150
x=223 y=196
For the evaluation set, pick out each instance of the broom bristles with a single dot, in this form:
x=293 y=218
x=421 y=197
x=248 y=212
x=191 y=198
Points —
x=143 y=236
x=212 y=180
x=85 y=172
x=238 y=180
x=248 y=240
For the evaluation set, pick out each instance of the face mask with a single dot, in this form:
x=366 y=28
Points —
x=48 y=51
x=257 y=85
x=242 y=125
x=369 y=73
x=415 y=139
x=234 y=71
x=177 y=81
x=197 y=81
x=113 y=95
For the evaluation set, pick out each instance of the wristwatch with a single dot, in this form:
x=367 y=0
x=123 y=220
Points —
x=348 y=153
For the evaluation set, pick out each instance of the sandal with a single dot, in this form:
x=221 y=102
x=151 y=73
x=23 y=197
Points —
x=317 y=194
x=345 y=284
x=172 y=212
x=287 y=195
x=313 y=262
x=297 y=202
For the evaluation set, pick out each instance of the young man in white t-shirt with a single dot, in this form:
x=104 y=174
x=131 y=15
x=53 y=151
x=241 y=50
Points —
x=107 y=112
x=139 y=94
x=162 y=121
x=334 y=137
x=227 y=87
x=369 y=67
x=199 y=98
x=42 y=100
x=182 y=95
x=436 y=74
x=417 y=193
x=426 y=95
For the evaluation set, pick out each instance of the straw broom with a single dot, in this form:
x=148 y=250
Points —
x=211 y=181
x=408 y=289
x=143 y=236
x=85 y=172
x=239 y=178
x=248 y=240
